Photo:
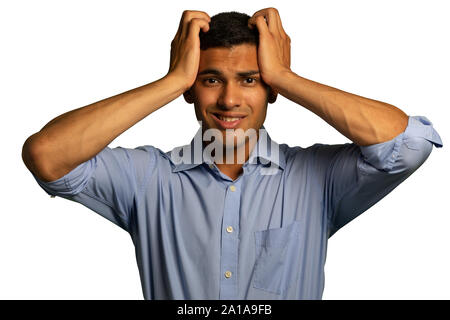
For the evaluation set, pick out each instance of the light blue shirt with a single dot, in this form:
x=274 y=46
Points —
x=200 y=235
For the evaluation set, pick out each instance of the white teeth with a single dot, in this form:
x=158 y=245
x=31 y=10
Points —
x=227 y=119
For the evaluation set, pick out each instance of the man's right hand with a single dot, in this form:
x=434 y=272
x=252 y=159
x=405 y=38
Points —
x=185 y=47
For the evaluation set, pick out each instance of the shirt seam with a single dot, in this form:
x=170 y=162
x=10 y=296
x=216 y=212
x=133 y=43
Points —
x=133 y=169
x=151 y=168
x=352 y=186
x=136 y=193
x=105 y=202
x=67 y=184
x=341 y=196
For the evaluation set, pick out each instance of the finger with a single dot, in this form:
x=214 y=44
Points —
x=283 y=33
x=190 y=14
x=270 y=15
x=272 y=20
x=195 y=25
x=252 y=20
x=261 y=24
x=186 y=18
x=277 y=19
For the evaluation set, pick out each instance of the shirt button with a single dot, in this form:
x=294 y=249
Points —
x=229 y=229
x=233 y=188
x=227 y=274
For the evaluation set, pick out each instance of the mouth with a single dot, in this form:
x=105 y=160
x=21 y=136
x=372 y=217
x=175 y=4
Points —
x=228 y=120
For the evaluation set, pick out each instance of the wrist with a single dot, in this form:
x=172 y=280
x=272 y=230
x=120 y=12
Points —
x=282 y=80
x=177 y=81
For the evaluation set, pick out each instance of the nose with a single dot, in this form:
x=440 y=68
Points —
x=230 y=97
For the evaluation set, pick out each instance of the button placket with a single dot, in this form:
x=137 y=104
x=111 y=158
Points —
x=230 y=241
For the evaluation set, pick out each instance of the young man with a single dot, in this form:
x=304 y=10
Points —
x=210 y=226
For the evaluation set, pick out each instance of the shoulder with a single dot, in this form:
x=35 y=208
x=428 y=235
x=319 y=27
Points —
x=316 y=150
x=143 y=160
x=318 y=155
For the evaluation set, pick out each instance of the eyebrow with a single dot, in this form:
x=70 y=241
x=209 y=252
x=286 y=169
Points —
x=219 y=73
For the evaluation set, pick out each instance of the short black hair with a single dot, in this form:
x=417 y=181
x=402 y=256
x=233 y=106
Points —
x=228 y=29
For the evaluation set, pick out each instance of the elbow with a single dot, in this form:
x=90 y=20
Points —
x=33 y=156
x=417 y=150
x=30 y=153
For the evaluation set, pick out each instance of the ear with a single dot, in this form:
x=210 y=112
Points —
x=189 y=96
x=272 y=96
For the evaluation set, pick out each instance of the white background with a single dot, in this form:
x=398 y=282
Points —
x=60 y=55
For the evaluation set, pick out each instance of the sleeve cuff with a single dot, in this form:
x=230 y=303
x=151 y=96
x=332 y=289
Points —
x=419 y=126
x=71 y=183
x=383 y=155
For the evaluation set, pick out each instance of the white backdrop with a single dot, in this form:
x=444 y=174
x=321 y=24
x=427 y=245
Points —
x=60 y=55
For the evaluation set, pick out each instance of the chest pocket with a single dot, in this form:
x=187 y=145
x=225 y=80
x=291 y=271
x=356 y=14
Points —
x=277 y=258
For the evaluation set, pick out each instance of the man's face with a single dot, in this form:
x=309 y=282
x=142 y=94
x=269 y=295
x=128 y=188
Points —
x=228 y=92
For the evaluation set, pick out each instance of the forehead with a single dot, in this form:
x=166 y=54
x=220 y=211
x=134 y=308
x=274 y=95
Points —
x=237 y=58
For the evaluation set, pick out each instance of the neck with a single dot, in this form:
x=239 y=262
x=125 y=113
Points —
x=233 y=159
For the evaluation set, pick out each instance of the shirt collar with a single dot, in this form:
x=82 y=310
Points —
x=266 y=152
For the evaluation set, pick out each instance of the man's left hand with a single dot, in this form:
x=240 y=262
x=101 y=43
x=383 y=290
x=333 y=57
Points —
x=274 y=52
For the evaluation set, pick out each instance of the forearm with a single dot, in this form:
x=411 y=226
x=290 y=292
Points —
x=78 y=135
x=364 y=121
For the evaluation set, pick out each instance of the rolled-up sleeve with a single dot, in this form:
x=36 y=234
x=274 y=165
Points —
x=106 y=183
x=360 y=176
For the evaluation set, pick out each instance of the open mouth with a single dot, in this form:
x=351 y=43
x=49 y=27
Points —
x=228 y=121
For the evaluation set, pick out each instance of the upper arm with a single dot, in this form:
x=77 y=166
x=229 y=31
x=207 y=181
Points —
x=107 y=183
x=360 y=176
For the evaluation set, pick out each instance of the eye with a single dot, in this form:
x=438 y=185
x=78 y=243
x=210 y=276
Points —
x=210 y=81
x=252 y=80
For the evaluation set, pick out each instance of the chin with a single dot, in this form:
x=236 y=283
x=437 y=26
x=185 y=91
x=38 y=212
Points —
x=237 y=138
